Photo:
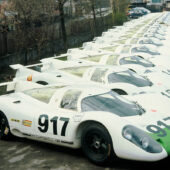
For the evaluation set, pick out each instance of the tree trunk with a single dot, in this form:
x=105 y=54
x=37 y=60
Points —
x=62 y=21
x=101 y=16
x=94 y=18
x=5 y=41
x=25 y=56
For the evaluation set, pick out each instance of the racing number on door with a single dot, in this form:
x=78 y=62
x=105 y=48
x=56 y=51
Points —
x=43 y=122
x=156 y=129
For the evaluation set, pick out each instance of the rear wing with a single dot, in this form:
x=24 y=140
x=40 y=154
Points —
x=59 y=64
x=17 y=86
x=35 y=67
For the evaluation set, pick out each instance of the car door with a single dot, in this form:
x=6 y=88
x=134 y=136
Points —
x=55 y=126
x=58 y=124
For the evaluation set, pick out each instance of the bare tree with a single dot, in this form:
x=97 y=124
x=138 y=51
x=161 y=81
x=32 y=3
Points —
x=119 y=8
x=5 y=20
x=62 y=21
x=31 y=23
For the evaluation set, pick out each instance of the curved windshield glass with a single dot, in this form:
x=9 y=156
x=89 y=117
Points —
x=111 y=102
x=130 y=77
x=166 y=93
x=156 y=31
x=144 y=49
x=158 y=36
x=135 y=60
x=146 y=41
x=150 y=41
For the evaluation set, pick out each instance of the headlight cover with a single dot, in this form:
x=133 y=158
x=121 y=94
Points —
x=141 y=139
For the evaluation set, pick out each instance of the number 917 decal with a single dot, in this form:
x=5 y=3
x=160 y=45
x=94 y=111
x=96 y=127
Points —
x=156 y=129
x=43 y=122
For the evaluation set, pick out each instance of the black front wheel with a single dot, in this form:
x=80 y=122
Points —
x=97 y=144
x=4 y=127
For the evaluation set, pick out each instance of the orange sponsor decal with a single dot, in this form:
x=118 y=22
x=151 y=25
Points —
x=27 y=123
x=29 y=78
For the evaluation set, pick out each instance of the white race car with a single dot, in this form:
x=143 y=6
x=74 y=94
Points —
x=97 y=120
x=118 y=79
x=133 y=62
x=124 y=81
x=146 y=51
x=145 y=40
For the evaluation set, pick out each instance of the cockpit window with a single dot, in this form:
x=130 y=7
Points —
x=42 y=94
x=128 y=76
x=99 y=75
x=111 y=102
x=70 y=99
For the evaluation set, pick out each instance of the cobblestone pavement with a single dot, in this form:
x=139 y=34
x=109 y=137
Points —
x=23 y=154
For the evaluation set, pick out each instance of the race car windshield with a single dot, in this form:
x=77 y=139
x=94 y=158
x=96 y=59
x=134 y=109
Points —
x=111 y=102
x=135 y=60
x=158 y=36
x=128 y=76
x=144 y=49
x=166 y=93
x=151 y=41
x=146 y=41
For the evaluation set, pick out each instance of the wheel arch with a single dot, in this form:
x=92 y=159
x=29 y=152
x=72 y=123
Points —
x=5 y=128
x=87 y=123
x=84 y=124
x=2 y=113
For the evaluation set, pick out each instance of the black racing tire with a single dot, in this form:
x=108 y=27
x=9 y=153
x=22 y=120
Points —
x=5 y=133
x=97 y=144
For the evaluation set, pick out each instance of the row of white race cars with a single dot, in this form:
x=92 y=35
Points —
x=110 y=97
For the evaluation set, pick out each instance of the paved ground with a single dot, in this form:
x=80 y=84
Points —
x=23 y=154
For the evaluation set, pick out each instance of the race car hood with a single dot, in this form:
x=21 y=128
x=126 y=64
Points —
x=161 y=60
x=156 y=120
x=153 y=102
x=162 y=82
